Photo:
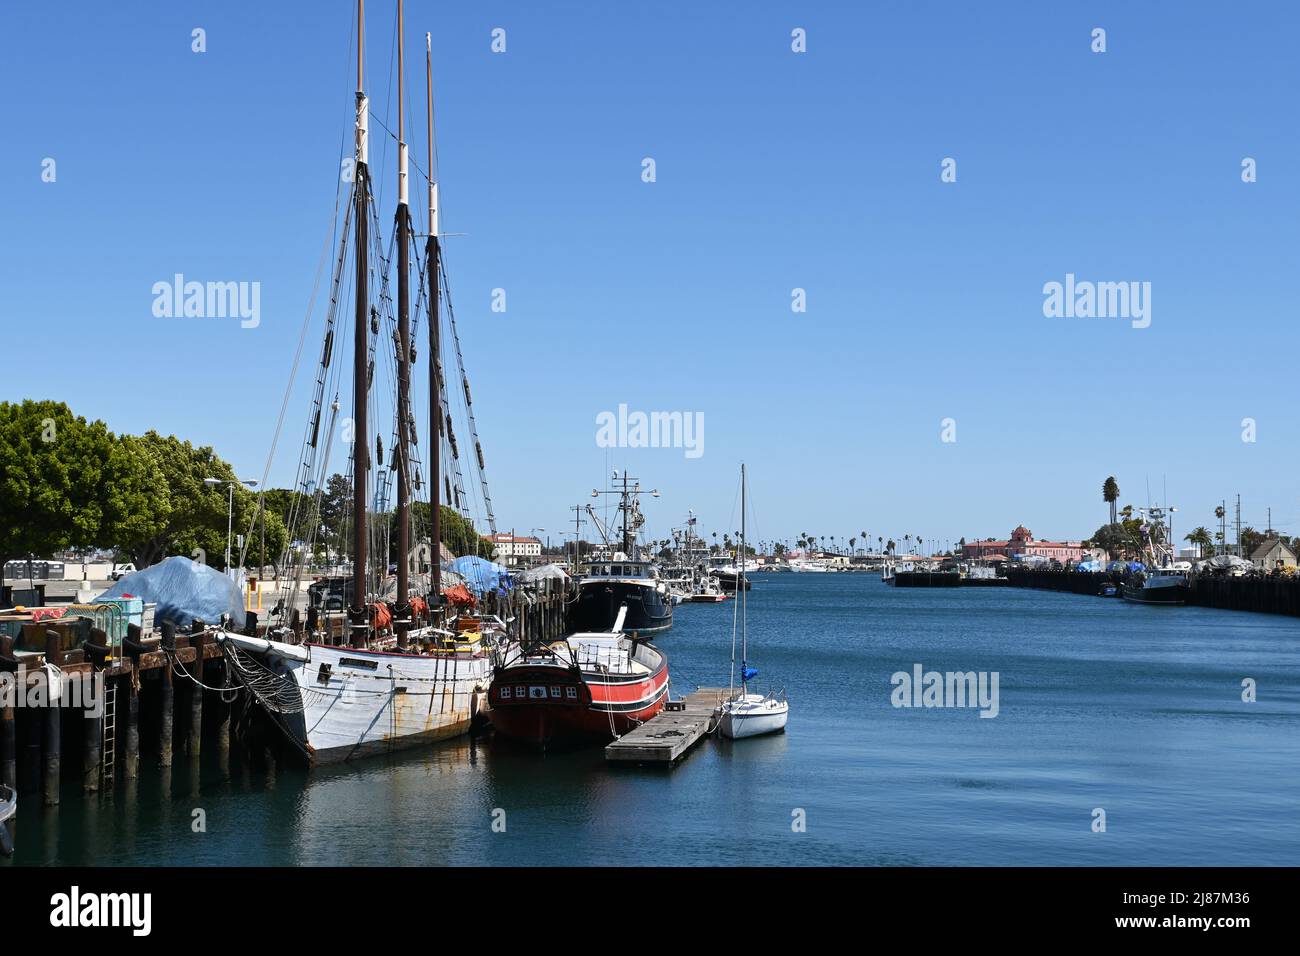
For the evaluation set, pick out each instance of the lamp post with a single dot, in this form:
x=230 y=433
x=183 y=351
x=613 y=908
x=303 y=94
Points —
x=230 y=506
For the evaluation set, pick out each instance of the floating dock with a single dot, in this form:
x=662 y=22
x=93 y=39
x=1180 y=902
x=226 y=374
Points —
x=666 y=737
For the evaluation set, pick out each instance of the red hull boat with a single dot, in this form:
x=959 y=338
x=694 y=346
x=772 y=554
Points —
x=589 y=688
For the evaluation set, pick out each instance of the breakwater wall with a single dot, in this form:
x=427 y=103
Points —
x=1266 y=595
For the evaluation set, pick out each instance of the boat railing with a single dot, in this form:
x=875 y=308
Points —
x=610 y=660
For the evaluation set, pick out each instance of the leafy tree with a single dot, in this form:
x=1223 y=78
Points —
x=458 y=534
x=1120 y=539
x=67 y=483
x=192 y=513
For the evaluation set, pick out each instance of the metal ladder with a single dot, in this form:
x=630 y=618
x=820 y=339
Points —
x=108 y=742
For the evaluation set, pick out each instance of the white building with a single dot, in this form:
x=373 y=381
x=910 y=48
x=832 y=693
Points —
x=511 y=547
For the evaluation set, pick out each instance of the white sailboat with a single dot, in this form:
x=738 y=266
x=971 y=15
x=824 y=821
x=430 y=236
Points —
x=744 y=714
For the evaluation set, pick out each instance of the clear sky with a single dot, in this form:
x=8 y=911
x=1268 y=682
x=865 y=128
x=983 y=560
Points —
x=775 y=170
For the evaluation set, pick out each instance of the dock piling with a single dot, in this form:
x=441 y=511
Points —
x=197 y=641
x=53 y=742
x=93 y=724
x=8 y=726
x=168 y=695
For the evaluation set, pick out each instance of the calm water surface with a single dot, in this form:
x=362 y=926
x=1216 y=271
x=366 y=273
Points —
x=1133 y=709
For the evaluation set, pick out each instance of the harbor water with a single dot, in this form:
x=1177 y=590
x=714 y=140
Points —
x=1133 y=710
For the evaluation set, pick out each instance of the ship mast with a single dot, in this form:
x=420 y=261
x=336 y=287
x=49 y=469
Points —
x=358 y=612
x=741 y=587
x=431 y=253
x=402 y=611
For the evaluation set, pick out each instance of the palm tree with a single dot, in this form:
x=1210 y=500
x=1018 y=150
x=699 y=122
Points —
x=853 y=545
x=891 y=546
x=1201 y=538
x=880 y=543
x=1110 y=495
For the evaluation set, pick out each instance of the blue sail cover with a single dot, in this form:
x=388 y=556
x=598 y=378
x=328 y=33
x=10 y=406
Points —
x=184 y=590
x=748 y=673
x=481 y=575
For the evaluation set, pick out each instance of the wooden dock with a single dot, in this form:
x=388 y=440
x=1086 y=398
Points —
x=666 y=737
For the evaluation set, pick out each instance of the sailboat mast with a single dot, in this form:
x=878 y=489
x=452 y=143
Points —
x=435 y=402
x=402 y=617
x=359 y=616
x=740 y=586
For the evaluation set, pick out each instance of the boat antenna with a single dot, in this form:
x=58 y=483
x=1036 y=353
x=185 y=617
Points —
x=431 y=253
x=359 y=614
x=402 y=610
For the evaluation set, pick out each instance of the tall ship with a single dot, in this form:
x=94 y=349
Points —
x=623 y=585
x=400 y=668
x=588 y=688
x=1163 y=580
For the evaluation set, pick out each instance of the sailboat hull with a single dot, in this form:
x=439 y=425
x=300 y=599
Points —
x=358 y=703
x=752 y=717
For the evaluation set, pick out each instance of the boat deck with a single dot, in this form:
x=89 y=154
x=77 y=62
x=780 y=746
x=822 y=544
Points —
x=666 y=737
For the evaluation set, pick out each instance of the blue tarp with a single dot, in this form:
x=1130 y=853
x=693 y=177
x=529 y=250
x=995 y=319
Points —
x=1089 y=566
x=481 y=575
x=748 y=673
x=184 y=590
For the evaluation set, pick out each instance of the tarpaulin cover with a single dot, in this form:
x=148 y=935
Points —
x=1089 y=566
x=183 y=590
x=481 y=575
x=1225 y=561
x=544 y=573
x=459 y=596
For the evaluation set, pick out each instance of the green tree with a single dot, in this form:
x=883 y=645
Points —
x=1202 y=539
x=1121 y=539
x=67 y=483
x=191 y=519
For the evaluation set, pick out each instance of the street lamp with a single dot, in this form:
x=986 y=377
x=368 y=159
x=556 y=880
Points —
x=230 y=506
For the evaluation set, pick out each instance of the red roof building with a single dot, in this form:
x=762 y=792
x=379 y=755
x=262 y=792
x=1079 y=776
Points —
x=1022 y=544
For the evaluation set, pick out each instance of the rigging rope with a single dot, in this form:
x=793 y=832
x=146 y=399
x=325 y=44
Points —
x=273 y=691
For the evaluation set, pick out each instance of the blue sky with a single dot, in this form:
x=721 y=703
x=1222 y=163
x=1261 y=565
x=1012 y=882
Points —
x=775 y=170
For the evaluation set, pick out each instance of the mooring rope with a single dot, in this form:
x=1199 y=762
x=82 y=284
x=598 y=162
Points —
x=220 y=691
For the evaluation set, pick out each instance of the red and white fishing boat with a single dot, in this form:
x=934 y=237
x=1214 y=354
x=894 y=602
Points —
x=586 y=688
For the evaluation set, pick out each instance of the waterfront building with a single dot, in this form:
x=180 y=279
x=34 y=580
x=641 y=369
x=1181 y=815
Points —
x=511 y=548
x=1022 y=544
x=1273 y=553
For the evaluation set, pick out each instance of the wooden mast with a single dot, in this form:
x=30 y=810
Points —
x=431 y=253
x=402 y=611
x=358 y=611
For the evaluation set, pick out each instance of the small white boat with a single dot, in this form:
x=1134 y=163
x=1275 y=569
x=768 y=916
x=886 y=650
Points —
x=748 y=715
x=744 y=714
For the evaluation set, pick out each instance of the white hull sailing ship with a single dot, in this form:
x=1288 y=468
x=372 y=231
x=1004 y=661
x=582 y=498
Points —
x=352 y=703
x=407 y=673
